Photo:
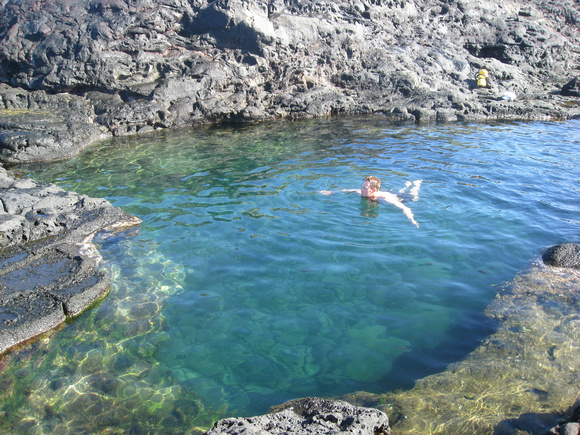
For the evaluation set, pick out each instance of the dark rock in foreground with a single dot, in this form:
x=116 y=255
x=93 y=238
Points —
x=309 y=416
x=563 y=255
x=48 y=266
x=569 y=427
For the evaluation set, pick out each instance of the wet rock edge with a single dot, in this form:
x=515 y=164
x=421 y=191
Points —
x=49 y=270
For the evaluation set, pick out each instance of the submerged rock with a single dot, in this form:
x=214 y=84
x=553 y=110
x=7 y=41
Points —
x=309 y=416
x=521 y=379
x=563 y=255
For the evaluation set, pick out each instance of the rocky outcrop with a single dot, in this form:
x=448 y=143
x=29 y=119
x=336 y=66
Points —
x=309 y=416
x=76 y=71
x=36 y=126
x=563 y=255
x=48 y=266
x=131 y=67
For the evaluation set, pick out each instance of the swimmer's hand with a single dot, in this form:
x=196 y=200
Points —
x=326 y=192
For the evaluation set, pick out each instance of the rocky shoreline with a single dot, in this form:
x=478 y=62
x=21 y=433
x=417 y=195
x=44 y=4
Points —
x=76 y=72
x=48 y=265
x=73 y=73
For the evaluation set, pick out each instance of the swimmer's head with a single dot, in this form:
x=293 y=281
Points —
x=371 y=185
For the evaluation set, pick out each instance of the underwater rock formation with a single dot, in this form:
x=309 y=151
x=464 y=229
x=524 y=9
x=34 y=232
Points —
x=521 y=379
x=309 y=416
x=48 y=265
x=124 y=67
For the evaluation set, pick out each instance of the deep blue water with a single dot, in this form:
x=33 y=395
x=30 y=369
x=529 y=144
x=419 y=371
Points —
x=265 y=290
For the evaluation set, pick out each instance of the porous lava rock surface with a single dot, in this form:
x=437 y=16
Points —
x=48 y=265
x=563 y=255
x=116 y=67
x=309 y=416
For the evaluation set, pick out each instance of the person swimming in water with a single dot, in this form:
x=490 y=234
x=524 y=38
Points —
x=371 y=189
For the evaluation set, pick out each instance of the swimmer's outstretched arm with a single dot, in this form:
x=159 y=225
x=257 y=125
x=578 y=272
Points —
x=332 y=192
x=406 y=210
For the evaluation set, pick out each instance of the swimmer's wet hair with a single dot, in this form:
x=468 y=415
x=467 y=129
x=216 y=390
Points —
x=375 y=182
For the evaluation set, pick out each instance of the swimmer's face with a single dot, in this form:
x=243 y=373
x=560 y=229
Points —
x=367 y=189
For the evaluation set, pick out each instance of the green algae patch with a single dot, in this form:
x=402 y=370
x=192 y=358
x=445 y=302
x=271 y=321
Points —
x=106 y=374
x=23 y=111
x=521 y=379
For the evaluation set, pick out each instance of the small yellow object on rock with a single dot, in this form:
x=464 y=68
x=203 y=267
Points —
x=482 y=79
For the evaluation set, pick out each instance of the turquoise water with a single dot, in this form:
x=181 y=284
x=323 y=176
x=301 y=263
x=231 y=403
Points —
x=245 y=287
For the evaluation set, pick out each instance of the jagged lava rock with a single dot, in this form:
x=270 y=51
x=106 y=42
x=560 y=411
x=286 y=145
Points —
x=309 y=416
x=148 y=65
x=563 y=255
x=48 y=265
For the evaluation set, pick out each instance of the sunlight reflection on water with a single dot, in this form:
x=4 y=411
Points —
x=245 y=287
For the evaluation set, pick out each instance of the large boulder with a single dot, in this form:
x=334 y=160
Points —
x=309 y=416
x=563 y=255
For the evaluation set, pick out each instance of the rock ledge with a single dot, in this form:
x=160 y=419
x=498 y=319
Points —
x=48 y=265
x=309 y=416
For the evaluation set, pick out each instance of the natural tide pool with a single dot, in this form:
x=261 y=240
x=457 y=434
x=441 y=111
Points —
x=245 y=287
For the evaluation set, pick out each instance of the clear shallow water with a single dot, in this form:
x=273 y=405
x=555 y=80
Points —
x=245 y=287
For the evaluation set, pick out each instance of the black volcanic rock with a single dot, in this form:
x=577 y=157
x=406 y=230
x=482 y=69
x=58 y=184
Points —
x=572 y=88
x=311 y=416
x=48 y=265
x=142 y=66
x=36 y=126
x=563 y=255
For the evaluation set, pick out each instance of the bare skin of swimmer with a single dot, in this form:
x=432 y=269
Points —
x=371 y=189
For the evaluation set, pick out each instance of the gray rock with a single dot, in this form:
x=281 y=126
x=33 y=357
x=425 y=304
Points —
x=48 y=266
x=309 y=416
x=36 y=126
x=121 y=67
x=572 y=88
x=563 y=255
x=570 y=426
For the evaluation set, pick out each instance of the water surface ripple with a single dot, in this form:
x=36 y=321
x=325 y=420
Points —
x=245 y=287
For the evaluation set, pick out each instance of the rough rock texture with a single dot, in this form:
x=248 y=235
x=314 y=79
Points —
x=76 y=71
x=309 y=416
x=572 y=88
x=37 y=126
x=563 y=255
x=135 y=66
x=569 y=427
x=47 y=262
